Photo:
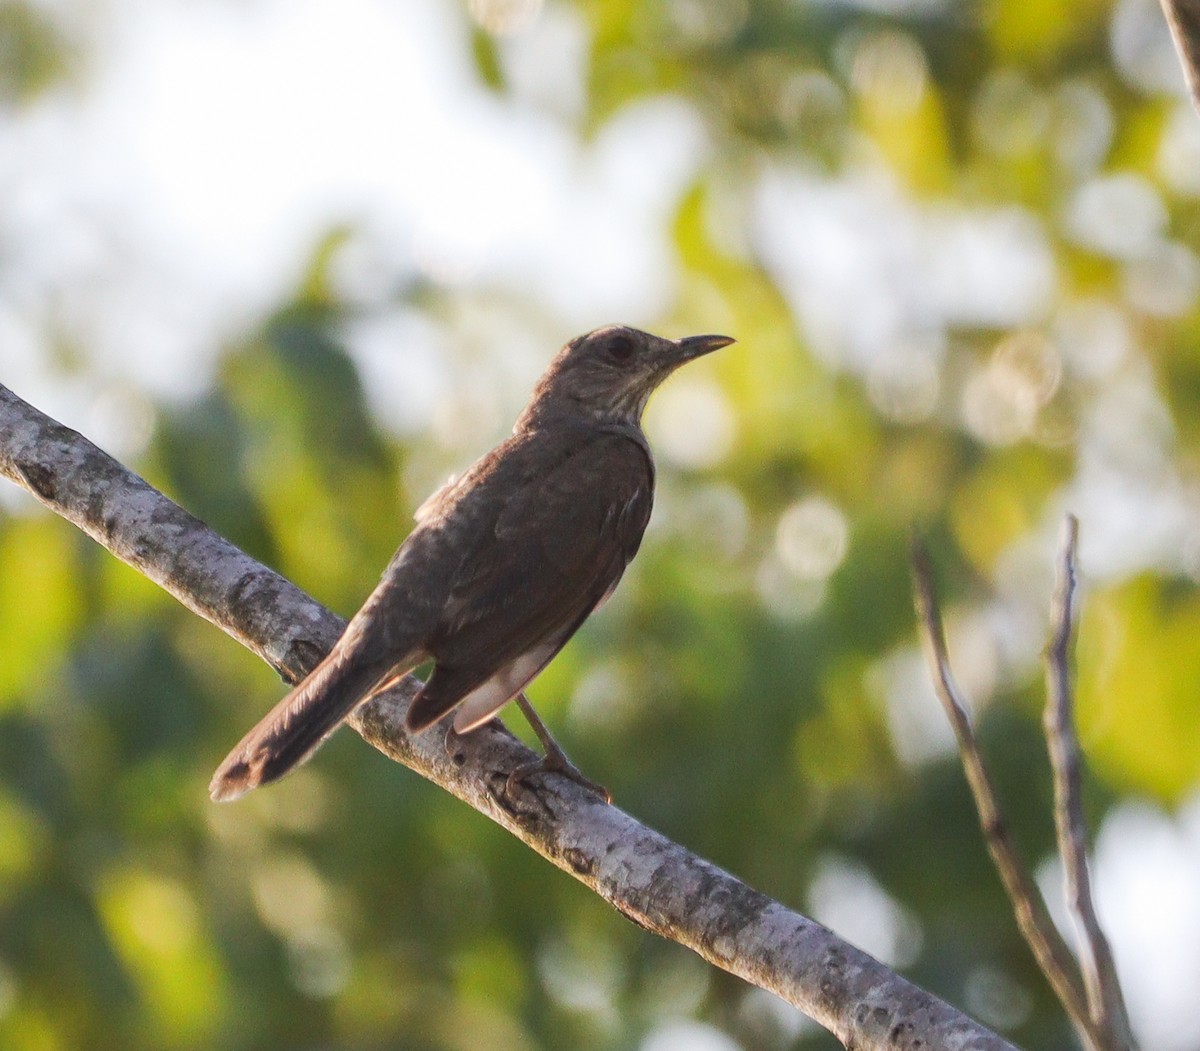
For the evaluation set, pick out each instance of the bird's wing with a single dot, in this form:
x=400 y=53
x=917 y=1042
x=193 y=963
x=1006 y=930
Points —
x=559 y=545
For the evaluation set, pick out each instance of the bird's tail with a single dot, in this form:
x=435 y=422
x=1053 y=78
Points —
x=291 y=731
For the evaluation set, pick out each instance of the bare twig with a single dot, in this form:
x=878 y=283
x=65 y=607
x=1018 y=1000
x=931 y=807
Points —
x=653 y=881
x=1106 y=1004
x=1183 y=18
x=1033 y=919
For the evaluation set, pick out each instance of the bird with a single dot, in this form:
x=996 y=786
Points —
x=504 y=564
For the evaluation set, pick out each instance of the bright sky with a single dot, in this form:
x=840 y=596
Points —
x=180 y=194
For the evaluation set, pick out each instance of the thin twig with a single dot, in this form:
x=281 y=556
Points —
x=656 y=883
x=1183 y=18
x=1106 y=1004
x=1051 y=952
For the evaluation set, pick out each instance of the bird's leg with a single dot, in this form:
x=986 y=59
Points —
x=555 y=760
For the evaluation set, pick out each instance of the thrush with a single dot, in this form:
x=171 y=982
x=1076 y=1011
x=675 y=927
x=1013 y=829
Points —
x=504 y=564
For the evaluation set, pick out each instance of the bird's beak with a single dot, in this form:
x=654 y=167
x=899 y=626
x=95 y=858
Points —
x=697 y=346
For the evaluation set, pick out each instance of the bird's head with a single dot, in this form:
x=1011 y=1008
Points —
x=610 y=373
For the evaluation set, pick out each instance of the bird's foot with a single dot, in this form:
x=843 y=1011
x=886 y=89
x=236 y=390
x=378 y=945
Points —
x=555 y=760
x=554 y=763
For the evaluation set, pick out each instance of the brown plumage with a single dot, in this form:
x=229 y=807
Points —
x=504 y=564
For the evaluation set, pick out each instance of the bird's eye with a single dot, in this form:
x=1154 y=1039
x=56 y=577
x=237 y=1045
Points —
x=620 y=348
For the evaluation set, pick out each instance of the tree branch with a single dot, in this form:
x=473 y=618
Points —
x=651 y=880
x=1051 y=952
x=1106 y=1004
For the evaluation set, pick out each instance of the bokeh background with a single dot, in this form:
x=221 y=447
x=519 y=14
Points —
x=298 y=261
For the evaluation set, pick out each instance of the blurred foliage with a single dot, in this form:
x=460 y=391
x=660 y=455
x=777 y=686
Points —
x=34 y=52
x=753 y=689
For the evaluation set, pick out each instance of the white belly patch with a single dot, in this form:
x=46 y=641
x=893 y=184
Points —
x=484 y=701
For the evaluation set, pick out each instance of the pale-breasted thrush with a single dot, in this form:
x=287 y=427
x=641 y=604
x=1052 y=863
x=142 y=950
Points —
x=505 y=563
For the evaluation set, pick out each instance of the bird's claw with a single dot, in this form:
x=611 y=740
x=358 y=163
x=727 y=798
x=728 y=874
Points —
x=554 y=760
x=554 y=764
